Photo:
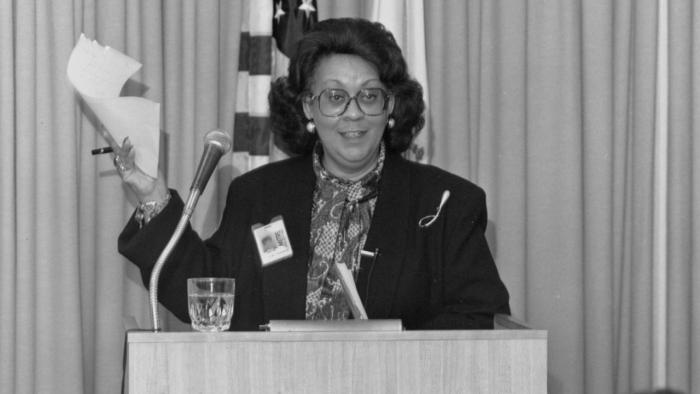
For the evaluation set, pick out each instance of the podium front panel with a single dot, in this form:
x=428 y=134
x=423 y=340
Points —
x=493 y=361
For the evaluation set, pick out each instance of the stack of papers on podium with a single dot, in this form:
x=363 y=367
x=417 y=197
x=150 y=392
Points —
x=333 y=325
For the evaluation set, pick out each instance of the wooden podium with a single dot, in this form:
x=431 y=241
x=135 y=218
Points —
x=459 y=361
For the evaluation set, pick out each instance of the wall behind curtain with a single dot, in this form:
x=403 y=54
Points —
x=683 y=357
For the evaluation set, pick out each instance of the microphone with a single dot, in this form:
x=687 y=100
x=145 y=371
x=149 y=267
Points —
x=216 y=144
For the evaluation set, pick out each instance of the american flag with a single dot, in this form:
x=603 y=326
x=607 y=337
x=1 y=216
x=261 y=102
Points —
x=269 y=33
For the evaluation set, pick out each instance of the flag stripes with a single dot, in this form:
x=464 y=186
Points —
x=251 y=130
x=261 y=59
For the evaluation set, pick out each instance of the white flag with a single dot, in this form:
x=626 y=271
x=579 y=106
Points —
x=404 y=18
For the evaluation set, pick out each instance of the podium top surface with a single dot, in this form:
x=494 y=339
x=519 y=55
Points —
x=263 y=336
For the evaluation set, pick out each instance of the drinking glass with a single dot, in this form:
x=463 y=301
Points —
x=210 y=303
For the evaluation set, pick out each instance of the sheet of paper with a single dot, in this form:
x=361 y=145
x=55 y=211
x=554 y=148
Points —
x=98 y=73
x=350 y=291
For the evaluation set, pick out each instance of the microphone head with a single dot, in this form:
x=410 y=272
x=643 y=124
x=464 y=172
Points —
x=219 y=139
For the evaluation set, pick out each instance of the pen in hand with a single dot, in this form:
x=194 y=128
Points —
x=99 y=151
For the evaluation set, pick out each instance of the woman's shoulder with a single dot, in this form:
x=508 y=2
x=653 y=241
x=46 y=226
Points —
x=428 y=175
x=430 y=186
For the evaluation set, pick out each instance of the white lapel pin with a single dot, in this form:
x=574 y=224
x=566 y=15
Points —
x=427 y=221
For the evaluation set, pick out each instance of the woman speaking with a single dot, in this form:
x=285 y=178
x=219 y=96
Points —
x=410 y=235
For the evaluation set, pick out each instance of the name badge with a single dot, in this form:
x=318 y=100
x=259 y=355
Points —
x=272 y=241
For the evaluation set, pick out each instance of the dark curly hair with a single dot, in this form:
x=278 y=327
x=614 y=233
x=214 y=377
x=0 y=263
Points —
x=368 y=40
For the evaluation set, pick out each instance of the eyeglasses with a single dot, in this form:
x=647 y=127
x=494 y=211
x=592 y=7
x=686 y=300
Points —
x=334 y=102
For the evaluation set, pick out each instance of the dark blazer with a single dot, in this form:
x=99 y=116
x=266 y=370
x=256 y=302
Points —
x=442 y=276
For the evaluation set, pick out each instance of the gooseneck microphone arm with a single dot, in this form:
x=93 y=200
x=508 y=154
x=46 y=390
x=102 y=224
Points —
x=155 y=274
x=216 y=144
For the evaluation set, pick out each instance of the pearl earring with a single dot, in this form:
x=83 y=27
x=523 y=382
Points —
x=391 y=123
x=310 y=127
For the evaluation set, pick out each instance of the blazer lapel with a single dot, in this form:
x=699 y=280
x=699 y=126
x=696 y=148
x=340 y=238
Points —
x=378 y=279
x=284 y=282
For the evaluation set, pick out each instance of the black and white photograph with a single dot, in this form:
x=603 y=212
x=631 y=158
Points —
x=365 y=196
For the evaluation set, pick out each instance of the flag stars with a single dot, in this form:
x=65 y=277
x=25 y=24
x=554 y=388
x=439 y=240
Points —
x=279 y=12
x=307 y=7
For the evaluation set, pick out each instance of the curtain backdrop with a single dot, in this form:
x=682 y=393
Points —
x=557 y=126
x=65 y=290
x=551 y=106
x=556 y=113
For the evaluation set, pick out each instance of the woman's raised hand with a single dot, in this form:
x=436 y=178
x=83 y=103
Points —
x=145 y=187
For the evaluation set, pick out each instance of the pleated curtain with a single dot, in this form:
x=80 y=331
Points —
x=577 y=117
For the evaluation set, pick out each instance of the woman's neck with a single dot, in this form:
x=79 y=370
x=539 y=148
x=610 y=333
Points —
x=351 y=174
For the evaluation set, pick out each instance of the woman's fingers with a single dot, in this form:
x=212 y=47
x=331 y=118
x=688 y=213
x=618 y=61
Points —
x=143 y=185
x=124 y=158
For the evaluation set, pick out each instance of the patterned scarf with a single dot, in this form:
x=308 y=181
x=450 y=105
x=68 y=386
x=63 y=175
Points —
x=340 y=219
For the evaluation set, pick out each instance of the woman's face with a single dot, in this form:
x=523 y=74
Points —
x=350 y=140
